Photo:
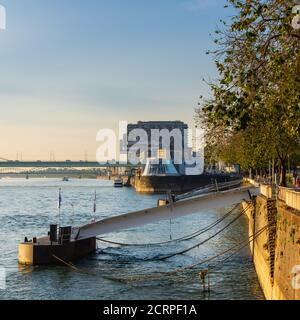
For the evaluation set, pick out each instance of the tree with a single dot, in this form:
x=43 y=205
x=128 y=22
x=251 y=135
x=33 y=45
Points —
x=257 y=97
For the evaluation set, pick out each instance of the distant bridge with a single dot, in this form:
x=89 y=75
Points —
x=64 y=164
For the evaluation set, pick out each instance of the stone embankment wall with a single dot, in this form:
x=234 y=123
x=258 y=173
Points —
x=276 y=251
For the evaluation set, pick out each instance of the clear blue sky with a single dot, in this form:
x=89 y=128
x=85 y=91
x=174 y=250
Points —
x=71 y=67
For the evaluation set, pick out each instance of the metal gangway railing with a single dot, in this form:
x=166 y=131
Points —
x=213 y=187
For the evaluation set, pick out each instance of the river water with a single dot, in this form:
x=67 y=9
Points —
x=27 y=207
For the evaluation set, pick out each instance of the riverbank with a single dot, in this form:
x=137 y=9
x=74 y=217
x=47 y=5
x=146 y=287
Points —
x=276 y=251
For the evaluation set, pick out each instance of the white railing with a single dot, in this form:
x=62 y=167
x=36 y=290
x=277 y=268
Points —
x=266 y=190
x=217 y=186
x=290 y=196
x=252 y=181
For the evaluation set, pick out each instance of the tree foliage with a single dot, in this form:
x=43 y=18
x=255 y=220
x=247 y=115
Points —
x=255 y=104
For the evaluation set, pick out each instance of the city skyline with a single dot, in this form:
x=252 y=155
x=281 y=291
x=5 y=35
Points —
x=69 y=70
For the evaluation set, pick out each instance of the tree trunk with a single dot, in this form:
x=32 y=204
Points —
x=282 y=182
x=273 y=171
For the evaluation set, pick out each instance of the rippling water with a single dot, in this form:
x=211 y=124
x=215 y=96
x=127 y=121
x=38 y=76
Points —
x=27 y=207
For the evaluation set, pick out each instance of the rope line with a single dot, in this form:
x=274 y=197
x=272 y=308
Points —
x=239 y=247
x=236 y=248
x=184 y=238
x=204 y=241
x=72 y=265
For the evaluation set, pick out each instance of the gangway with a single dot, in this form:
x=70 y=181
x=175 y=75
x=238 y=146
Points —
x=83 y=238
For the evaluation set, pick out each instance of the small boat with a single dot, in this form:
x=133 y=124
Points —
x=118 y=183
x=65 y=179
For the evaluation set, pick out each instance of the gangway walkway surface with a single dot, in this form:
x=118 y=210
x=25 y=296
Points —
x=172 y=210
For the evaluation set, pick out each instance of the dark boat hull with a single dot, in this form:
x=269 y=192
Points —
x=177 y=184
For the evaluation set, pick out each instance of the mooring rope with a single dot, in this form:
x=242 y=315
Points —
x=184 y=238
x=72 y=266
x=202 y=242
x=237 y=248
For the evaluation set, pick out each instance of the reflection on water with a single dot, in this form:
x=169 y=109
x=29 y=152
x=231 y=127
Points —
x=27 y=207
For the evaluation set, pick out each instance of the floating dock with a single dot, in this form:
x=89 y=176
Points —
x=43 y=252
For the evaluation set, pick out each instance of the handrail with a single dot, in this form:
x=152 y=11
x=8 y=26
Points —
x=291 y=196
x=209 y=188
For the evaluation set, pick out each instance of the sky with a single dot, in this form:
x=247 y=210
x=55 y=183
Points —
x=69 y=68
